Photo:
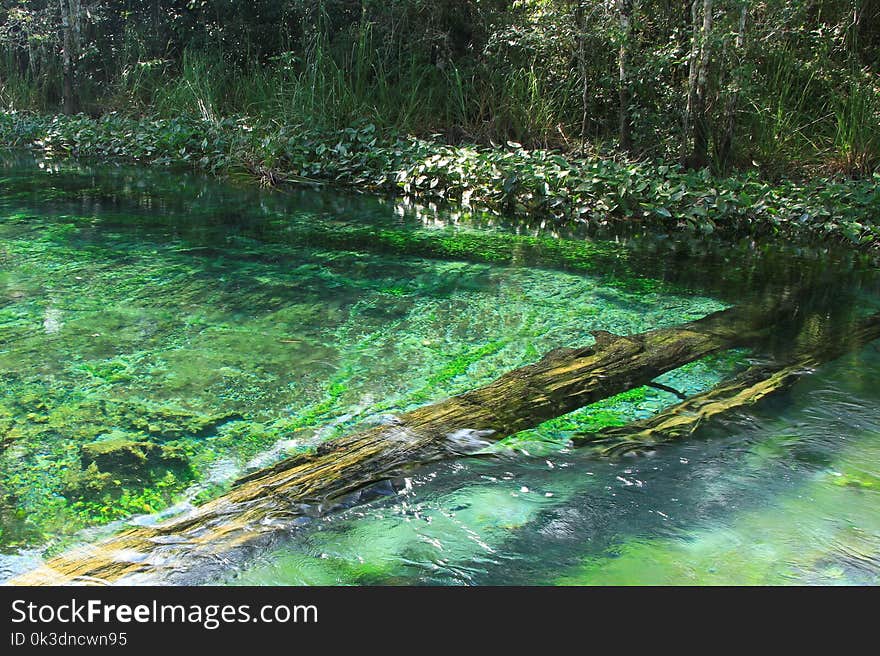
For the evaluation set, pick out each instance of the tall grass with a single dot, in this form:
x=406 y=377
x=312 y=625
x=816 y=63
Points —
x=791 y=113
x=335 y=85
x=788 y=118
x=27 y=90
x=18 y=92
x=319 y=91
x=857 y=135
x=797 y=115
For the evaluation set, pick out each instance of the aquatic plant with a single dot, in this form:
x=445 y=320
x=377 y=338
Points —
x=509 y=179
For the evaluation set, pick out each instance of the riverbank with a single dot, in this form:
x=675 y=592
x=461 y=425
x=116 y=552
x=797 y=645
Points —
x=506 y=179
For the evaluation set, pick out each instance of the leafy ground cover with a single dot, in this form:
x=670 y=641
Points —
x=505 y=179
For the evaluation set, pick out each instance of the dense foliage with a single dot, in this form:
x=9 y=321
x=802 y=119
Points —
x=508 y=179
x=775 y=85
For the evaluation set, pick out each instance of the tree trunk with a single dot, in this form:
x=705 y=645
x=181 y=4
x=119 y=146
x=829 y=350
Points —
x=725 y=150
x=700 y=156
x=580 y=21
x=744 y=390
x=695 y=144
x=686 y=129
x=624 y=14
x=69 y=54
x=186 y=549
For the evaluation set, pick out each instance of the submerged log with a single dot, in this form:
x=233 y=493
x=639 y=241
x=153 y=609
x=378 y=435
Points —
x=187 y=549
x=742 y=391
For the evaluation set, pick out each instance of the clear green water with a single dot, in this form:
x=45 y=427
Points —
x=179 y=332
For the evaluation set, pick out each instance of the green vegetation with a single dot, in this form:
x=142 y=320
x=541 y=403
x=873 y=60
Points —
x=155 y=349
x=625 y=407
x=777 y=82
x=140 y=371
x=732 y=116
x=510 y=180
x=759 y=508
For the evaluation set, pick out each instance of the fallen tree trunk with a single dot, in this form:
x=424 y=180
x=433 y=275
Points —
x=188 y=548
x=746 y=389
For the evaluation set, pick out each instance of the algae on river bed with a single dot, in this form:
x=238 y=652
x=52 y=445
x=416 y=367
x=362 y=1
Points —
x=185 y=349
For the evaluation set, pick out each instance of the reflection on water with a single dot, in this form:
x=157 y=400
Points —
x=161 y=334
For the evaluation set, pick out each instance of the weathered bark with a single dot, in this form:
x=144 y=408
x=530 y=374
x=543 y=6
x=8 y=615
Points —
x=744 y=390
x=700 y=156
x=269 y=501
x=686 y=129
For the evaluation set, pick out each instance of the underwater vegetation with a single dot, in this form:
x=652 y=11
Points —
x=785 y=495
x=141 y=369
x=156 y=344
x=826 y=532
